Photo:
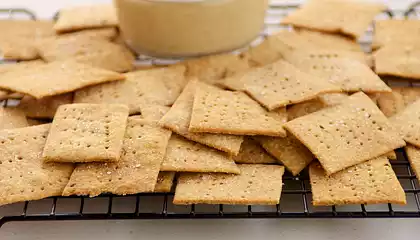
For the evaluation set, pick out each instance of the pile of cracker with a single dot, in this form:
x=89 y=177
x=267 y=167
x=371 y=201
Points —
x=225 y=126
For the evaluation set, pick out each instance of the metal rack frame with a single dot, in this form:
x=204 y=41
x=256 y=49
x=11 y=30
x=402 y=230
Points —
x=297 y=187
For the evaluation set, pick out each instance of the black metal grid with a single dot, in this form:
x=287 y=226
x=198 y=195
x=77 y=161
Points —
x=296 y=195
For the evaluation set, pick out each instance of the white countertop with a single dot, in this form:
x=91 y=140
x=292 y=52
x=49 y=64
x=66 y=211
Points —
x=313 y=229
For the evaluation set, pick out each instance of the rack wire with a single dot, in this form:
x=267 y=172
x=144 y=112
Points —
x=296 y=195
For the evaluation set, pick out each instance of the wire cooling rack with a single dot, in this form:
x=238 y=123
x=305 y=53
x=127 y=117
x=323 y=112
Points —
x=296 y=196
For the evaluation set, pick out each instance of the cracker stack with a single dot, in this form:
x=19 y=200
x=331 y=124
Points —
x=225 y=126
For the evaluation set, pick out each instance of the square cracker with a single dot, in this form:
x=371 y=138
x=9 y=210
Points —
x=350 y=75
x=183 y=155
x=328 y=54
x=413 y=154
x=392 y=103
x=347 y=17
x=12 y=118
x=83 y=17
x=268 y=51
x=391 y=31
x=212 y=68
x=289 y=151
x=219 y=111
x=43 y=108
x=178 y=120
x=86 y=133
x=96 y=52
x=24 y=175
x=403 y=63
x=280 y=84
x=252 y=153
x=371 y=182
x=164 y=182
x=347 y=134
x=137 y=170
x=257 y=184
x=407 y=123
x=159 y=86
x=55 y=78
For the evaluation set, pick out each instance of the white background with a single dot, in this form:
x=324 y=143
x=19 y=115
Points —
x=315 y=229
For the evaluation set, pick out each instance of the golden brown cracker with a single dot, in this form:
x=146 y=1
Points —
x=371 y=182
x=164 y=182
x=257 y=184
x=219 y=111
x=280 y=84
x=413 y=155
x=347 y=134
x=25 y=176
x=55 y=78
x=86 y=133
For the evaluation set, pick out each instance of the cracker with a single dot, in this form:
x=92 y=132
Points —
x=19 y=36
x=403 y=63
x=43 y=108
x=289 y=151
x=164 y=182
x=347 y=134
x=183 y=155
x=109 y=33
x=392 y=103
x=55 y=78
x=252 y=153
x=137 y=170
x=178 y=120
x=220 y=111
x=413 y=155
x=83 y=17
x=12 y=118
x=86 y=133
x=96 y=52
x=332 y=99
x=304 y=108
x=351 y=18
x=212 y=68
x=371 y=182
x=391 y=31
x=407 y=123
x=24 y=175
x=257 y=184
x=159 y=86
x=280 y=84
x=350 y=75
